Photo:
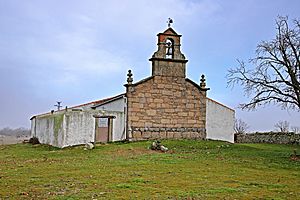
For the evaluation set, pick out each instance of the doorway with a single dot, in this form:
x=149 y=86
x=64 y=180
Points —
x=103 y=130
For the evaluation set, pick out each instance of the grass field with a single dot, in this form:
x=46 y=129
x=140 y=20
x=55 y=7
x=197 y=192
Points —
x=190 y=170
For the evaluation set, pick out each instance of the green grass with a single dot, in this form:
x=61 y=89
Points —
x=190 y=170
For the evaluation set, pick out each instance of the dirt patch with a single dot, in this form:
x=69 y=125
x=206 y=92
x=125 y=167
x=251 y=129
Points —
x=295 y=157
x=130 y=152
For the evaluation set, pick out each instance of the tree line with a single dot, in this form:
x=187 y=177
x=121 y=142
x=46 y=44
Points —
x=15 y=132
x=241 y=127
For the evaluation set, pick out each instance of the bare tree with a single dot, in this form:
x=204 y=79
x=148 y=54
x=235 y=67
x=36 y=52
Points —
x=240 y=126
x=295 y=129
x=282 y=126
x=276 y=76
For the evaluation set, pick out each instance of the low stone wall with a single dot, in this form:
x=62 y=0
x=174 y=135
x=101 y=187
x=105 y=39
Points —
x=269 y=137
x=167 y=133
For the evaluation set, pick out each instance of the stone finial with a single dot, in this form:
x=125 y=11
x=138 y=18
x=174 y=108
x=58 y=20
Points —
x=129 y=77
x=202 y=81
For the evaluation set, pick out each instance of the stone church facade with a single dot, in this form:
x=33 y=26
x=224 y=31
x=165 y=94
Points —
x=165 y=105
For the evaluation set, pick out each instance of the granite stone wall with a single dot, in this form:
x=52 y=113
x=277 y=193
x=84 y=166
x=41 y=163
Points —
x=166 y=107
x=269 y=137
x=167 y=133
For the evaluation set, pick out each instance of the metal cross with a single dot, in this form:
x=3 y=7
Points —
x=170 y=21
x=58 y=105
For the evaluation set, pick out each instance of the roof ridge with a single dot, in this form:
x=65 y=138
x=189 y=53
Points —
x=85 y=104
x=220 y=103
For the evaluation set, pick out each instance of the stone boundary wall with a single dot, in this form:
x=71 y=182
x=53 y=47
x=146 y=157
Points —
x=268 y=137
x=167 y=133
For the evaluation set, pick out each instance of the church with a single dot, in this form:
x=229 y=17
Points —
x=166 y=105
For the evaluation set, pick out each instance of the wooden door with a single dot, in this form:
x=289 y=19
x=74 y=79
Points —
x=102 y=130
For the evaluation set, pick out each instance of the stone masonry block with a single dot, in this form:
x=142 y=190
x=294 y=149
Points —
x=162 y=135
x=170 y=135
x=146 y=135
x=165 y=121
x=148 y=124
x=136 y=135
x=177 y=135
x=151 y=112
x=155 y=135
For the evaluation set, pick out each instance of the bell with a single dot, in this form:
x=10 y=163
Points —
x=169 y=49
x=169 y=52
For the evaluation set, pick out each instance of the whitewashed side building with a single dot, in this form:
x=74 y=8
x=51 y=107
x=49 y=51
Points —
x=100 y=121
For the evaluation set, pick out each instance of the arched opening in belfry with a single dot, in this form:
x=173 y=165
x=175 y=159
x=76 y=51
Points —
x=169 y=48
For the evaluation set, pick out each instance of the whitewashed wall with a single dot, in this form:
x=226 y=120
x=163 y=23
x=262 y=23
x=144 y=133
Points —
x=79 y=127
x=219 y=121
x=116 y=105
x=49 y=129
x=118 y=126
x=32 y=133
x=64 y=128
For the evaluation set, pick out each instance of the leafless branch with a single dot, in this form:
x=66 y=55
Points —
x=276 y=76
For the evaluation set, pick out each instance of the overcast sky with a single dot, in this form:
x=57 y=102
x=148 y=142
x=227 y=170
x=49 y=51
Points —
x=78 y=51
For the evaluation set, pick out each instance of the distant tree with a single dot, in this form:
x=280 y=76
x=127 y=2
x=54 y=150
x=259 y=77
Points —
x=282 y=126
x=240 y=126
x=295 y=129
x=276 y=76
